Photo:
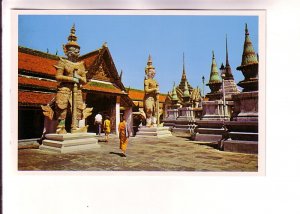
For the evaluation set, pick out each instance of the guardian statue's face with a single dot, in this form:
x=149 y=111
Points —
x=73 y=53
x=151 y=73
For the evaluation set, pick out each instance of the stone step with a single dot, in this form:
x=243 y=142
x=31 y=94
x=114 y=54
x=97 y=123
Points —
x=215 y=131
x=246 y=136
x=154 y=129
x=160 y=131
x=206 y=137
x=152 y=133
x=250 y=147
x=69 y=136
x=153 y=136
x=70 y=148
x=185 y=130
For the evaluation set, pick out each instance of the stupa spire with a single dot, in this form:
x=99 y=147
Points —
x=228 y=73
x=249 y=55
x=227 y=61
x=214 y=81
x=183 y=69
x=174 y=96
x=214 y=74
x=186 y=92
x=184 y=78
x=149 y=65
x=249 y=65
x=72 y=40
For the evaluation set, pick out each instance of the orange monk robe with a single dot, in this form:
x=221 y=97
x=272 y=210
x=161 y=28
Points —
x=123 y=136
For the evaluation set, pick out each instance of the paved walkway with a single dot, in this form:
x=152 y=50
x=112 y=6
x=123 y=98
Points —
x=176 y=153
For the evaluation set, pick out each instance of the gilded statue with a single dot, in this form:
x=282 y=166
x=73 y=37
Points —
x=71 y=75
x=151 y=98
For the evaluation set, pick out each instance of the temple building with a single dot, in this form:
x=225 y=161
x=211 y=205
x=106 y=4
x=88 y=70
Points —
x=37 y=86
x=185 y=93
x=183 y=104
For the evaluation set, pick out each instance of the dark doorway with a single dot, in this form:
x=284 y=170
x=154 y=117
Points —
x=105 y=104
x=30 y=123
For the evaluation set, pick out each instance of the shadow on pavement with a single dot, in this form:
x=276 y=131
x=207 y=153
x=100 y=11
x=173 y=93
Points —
x=117 y=153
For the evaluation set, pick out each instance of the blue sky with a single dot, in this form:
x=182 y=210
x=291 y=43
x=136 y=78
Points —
x=131 y=38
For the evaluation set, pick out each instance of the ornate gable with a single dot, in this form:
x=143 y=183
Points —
x=101 y=67
x=102 y=73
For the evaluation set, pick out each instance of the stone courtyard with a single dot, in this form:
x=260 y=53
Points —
x=175 y=153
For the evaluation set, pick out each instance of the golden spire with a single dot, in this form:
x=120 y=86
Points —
x=72 y=40
x=149 y=64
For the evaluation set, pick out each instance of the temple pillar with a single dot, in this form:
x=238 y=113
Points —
x=129 y=119
x=117 y=114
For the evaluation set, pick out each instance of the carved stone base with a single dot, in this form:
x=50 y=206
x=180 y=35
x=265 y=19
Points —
x=154 y=132
x=214 y=110
x=241 y=146
x=246 y=106
x=65 y=143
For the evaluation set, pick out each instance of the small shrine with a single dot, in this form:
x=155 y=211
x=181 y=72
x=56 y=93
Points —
x=215 y=108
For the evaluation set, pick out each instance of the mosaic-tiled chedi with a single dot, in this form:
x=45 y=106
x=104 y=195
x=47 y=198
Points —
x=172 y=112
x=246 y=103
x=230 y=86
x=213 y=109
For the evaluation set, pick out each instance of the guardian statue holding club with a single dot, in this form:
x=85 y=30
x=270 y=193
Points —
x=151 y=98
x=71 y=75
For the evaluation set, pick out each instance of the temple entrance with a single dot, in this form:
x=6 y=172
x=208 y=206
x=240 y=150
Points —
x=30 y=123
x=105 y=104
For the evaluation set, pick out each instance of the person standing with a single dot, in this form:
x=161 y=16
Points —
x=106 y=127
x=98 y=122
x=123 y=135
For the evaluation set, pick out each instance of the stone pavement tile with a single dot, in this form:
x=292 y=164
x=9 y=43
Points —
x=176 y=153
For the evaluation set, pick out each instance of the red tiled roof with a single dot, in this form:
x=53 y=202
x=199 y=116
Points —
x=40 y=64
x=36 y=64
x=37 y=82
x=139 y=95
x=88 y=61
x=34 y=98
x=136 y=95
x=112 y=89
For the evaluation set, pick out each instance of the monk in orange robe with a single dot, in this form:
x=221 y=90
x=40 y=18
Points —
x=123 y=136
